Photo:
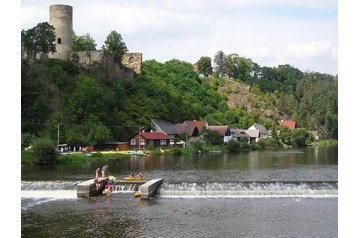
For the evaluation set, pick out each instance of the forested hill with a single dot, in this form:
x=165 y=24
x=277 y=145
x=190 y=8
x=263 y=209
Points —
x=91 y=108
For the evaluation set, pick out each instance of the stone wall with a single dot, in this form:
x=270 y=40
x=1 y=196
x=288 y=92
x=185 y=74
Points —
x=133 y=61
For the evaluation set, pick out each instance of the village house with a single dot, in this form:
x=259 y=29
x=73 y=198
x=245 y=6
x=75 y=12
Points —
x=239 y=134
x=165 y=127
x=191 y=132
x=117 y=146
x=144 y=139
x=289 y=123
x=198 y=124
x=256 y=133
x=223 y=131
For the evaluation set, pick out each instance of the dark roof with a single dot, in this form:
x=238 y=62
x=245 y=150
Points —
x=185 y=128
x=199 y=124
x=238 y=133
x=221 y=130
x=167 y=127
x=154 y=136
x=261 y=128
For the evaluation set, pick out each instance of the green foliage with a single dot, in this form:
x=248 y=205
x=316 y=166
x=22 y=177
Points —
x=115 y=45
x=204 y=65
x=300 y=137
x=38 y=39
x=44 y=151
x=198 y=146
x=212 y=137
x=26 y=139
x=269 y=143
x=83 y=43
x=234 y=146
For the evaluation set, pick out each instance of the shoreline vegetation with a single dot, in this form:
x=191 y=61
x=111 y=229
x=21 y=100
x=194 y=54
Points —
x=29 y=157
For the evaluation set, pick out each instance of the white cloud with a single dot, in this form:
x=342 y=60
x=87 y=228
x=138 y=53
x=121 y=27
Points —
x=308 y=50
x=187 y=29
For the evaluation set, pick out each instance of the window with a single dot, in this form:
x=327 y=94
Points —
x=142 y=142
x=163 y=142
x=133 y=141
x=59 y=41
x=151 y=142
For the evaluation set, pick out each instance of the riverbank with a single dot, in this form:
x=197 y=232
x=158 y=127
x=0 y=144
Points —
x=29 y=157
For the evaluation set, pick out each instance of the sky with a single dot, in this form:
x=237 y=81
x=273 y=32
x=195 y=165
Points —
x=302 y=33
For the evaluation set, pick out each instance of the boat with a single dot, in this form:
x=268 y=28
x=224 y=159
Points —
x=134 y=178
x=137 y=194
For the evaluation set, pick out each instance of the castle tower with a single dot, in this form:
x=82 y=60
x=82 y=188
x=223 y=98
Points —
x=61 y=20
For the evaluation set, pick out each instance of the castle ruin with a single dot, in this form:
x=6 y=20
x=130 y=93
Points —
x=61 y=20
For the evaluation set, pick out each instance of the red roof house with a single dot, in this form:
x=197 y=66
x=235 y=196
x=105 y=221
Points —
x=155 y=139
x=198 y=124
x=289 y=123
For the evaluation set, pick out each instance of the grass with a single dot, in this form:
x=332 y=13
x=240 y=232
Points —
x=28 y=157
x=328 y=142
x=77 y=158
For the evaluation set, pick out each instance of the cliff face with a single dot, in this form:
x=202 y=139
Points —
x=238 y=94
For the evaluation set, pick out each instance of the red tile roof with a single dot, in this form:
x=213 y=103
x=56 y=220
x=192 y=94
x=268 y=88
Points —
x=199 y=124
x=154 y=136
x=290 y=124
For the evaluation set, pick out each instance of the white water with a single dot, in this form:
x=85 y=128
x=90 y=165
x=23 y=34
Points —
x=252 y=189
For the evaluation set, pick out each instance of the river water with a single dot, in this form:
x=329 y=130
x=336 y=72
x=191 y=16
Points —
x=291 y=193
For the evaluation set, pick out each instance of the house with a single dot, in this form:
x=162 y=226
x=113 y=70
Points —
x=254 y=136
x=191 y=132
x=257 y=132
x=223 y=131
x=145 y=139
x=117 y=146
x=238 y=134
x=289 y=123
x=165 y=127
x=198 y=124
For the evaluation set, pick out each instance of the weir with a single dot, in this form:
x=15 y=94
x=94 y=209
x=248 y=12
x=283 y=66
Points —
x=148 y=189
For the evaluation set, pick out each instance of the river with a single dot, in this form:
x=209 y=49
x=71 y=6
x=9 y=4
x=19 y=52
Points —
x=291 y=193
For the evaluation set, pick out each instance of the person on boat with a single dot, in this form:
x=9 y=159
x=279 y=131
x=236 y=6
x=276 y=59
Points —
x=140 y=175
x=104 y=170
x=96 y=182
x=97 y=172
x=132 y=175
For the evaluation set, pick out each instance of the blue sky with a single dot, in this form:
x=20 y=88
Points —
x=303 y=33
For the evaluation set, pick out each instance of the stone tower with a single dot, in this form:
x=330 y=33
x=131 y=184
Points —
x=61 y=20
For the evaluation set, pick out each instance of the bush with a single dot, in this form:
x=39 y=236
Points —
x=44 y=151
x=176 y=151
x=198 y=145
x=26 y=140
x=269 y=143
x=234 y=146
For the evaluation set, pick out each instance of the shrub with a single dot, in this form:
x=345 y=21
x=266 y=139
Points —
x=177 y=151
x=44 y=151
x=198 y=145
x=269 y=143
x=234 y=146
x=26 y=140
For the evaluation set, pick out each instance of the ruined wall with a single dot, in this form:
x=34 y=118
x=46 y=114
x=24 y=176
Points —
x=133 y=61
x=113 y=69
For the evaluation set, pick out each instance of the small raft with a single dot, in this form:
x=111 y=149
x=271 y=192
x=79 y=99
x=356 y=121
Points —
x=133 y=178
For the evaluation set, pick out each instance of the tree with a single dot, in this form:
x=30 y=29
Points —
x=39 y=39
x=83 y=43
x=115 y=45
x=221 y=63
x=204 y=64
x=44 y=150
